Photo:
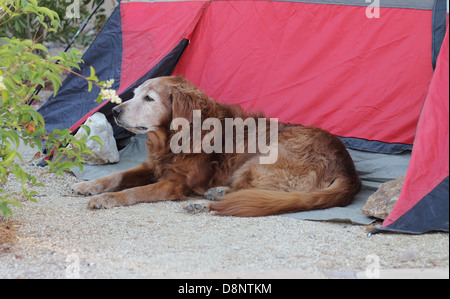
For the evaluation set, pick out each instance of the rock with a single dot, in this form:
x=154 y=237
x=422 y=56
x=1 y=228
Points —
x=100 y=127
x=381 y=203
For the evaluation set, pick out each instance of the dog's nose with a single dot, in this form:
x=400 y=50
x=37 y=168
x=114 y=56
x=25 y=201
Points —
x=117 y=111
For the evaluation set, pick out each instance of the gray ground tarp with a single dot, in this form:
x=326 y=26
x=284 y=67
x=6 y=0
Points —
x=374 y=169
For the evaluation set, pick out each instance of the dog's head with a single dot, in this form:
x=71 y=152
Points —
x=156 y=102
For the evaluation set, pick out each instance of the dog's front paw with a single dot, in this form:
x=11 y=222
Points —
x=87 y=188
x=103 y=201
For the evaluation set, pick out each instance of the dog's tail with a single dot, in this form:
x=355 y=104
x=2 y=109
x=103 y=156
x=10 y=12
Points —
x=258 y=202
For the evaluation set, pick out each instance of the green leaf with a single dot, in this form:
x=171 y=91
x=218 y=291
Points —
x=50 y=164
x=66 y=165
x=7 y=160
x=5 y=210
x=19 y=173
x=92 y=77
x=97 y=139
x=13 y=136
x=79 y=164
x=14 y=203
x=87 y=129
x=3 y=174
x=40 y=47
x=92 y=72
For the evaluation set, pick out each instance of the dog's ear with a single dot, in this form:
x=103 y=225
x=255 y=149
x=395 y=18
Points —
x=186 y=98
x=182 y=104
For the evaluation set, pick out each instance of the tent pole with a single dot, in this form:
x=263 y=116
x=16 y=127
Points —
x=83 y=25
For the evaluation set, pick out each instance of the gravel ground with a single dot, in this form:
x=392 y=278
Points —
x=60 y=238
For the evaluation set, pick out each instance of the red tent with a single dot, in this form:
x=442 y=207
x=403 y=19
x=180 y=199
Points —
x=423 y=201
x=360 y=71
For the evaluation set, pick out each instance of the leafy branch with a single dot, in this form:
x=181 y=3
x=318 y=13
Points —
x=25 y=64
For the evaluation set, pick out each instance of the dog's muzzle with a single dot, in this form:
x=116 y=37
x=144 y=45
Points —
x=117 y=113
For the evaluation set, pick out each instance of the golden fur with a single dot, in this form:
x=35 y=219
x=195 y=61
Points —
x=313 y=170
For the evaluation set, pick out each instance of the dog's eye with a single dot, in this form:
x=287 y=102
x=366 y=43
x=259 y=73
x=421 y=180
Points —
x=149 y=99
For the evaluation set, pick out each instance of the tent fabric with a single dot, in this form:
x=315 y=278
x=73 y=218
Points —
x=327 y=63
x=426 y=189
x=375 y=146
x=405 y=4
x=304 y=63
x=438 y=28
x=429 y=214
x=301 y=76
x=73 y=102
x=151 y=32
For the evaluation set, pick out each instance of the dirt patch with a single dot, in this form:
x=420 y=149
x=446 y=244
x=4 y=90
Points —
x=7 y=235
x=59 y=237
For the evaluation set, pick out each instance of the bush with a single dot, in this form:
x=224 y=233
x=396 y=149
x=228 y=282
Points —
x=22 y=70
x=24 y=26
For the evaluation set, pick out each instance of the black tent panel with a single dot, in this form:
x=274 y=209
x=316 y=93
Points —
x=73 y=100
x=429 y=214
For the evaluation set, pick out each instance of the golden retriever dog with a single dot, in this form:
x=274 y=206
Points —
x=312 y=170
